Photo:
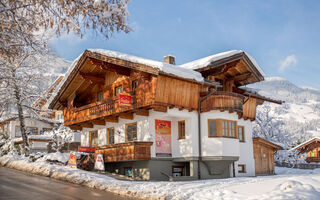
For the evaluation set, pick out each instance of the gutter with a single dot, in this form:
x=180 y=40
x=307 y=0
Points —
x=199 y=130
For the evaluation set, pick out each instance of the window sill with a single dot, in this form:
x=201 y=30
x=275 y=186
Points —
x=222 y=137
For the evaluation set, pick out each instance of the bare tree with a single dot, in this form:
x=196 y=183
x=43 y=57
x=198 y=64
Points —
x=21 y=19
x=23 y=25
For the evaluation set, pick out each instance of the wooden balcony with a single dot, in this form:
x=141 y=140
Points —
x=223 y=101
x=313 y=159
x=129 y=151
x=102 y=109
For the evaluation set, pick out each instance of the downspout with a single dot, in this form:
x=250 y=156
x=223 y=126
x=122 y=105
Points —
x=199 y=131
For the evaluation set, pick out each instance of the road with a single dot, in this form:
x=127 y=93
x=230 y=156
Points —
x=19 y=185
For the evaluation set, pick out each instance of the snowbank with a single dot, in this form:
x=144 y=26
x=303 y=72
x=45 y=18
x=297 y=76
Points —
x=290 y=184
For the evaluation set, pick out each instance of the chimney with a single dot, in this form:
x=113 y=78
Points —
x=170 y=59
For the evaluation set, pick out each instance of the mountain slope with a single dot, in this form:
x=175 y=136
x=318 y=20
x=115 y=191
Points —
x=299 y=116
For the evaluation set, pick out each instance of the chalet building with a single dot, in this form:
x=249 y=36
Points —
x=310 y=150
x=154 y=120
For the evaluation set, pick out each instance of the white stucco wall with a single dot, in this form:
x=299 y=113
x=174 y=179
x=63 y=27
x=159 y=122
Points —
x=229 y=146
x=146 y=131
x=187 y=147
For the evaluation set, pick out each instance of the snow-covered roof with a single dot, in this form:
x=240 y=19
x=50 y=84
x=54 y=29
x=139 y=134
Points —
x=203 y=62
x=305 y=143
x=162 y=66
x=39 y=137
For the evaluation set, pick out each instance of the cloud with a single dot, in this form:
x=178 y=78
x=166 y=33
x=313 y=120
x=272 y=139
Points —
x=288 y=62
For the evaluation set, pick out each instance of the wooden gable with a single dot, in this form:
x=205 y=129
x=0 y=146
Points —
x=237 y=70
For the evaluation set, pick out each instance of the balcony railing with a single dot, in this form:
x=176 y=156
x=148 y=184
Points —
x=313 y=159
x=129 y=151
x=223 y=101
x=101 y=109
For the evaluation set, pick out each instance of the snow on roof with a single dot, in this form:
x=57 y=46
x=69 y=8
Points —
x=39 y=137
x=162 y=66
x=304 y=143
x=203 y=62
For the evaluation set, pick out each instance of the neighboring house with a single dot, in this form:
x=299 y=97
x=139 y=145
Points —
x=310 y=150
x=263 y=151
x=154 y=120
x=35 y=128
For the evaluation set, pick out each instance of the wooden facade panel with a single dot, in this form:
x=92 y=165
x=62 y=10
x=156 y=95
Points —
x=125 y=151
x=249 y=108
x=177 y=92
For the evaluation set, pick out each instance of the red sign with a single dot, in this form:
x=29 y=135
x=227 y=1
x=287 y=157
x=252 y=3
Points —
x=163 y=138
x=125 y=99
x=87 y=149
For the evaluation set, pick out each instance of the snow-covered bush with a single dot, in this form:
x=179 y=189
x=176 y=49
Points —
x=289 y=157
x=60 y=136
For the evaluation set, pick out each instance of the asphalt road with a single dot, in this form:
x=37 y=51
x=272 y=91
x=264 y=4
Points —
x=19 y=185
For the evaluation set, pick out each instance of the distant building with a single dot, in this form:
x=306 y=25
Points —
x=310 y=150
x=155 y=120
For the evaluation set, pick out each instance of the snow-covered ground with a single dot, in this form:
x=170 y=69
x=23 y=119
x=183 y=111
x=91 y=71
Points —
x=288 y=184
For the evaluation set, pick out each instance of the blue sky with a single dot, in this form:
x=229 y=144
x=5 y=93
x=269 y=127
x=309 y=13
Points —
x=283 y=36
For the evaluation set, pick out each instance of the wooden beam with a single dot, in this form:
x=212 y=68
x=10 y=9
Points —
x=64 y=103
x=126 y=116
x=75 y=127
x=112 y=119
x=159 y=108
x=86 y=125
x=111 y=67
x=99 y=122
x=142 y=112
x=98 y=79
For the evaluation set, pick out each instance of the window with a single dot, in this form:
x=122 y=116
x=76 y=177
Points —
x=131 y=132
x=212 y=128
x=312 y=154
x=135 y=85
x=17 y=131
x=32 y=130
x=100 y=96
x=225 y=128
x=93 y=138
x=222 y=128
x=241 y=133
x=110 y=135
x=118 y=90
x=46 y=129
x=241 y=168
x=182 y=129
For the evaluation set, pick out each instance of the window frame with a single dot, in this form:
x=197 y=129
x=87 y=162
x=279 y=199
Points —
x=17 y=127
x=134 y=85
x=181 y=129
x=116 y=89
x=34 y=128
x=224 y=128
x=243 y=170
x=100 y=94
x=90 y=138
x=242 y=133
x=108 y=135
x=133 y=138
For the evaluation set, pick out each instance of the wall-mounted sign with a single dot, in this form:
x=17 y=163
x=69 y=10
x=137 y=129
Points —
x=87 y=149
x=163 y=138
x=72 y=160
x=99 y=164
x=125 y=99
